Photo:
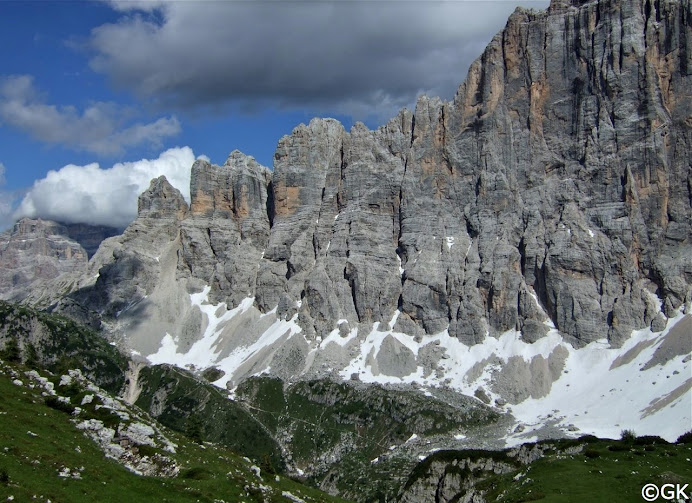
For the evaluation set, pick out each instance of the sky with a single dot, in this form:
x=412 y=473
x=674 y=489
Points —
x=99 y=97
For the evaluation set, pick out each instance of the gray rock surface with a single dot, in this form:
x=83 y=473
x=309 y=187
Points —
x=227 y=229
x=560 y=170
x=555 y=187
x=33 y=252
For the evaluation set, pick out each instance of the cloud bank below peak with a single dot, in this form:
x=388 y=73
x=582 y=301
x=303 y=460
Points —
x=347 y=57
x=89 y=194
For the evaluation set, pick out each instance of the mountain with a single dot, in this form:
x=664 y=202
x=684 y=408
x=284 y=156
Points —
x=36 y=251
x=67 y=436
x=527 y=243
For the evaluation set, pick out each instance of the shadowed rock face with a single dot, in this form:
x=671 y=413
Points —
x=33 y=252
x=90 y=236
x=556 y=186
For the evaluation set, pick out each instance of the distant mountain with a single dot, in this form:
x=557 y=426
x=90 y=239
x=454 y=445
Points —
x=35 y=251
x=528 y=243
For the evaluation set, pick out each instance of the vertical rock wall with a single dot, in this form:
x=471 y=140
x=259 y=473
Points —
x=555 y=187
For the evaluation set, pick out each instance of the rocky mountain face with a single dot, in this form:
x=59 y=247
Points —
x=35 y=251
x=475 y=244
x=90 y=236
x=528 y=244
x=555 y=186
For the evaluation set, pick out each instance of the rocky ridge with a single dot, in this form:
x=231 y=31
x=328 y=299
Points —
x=552 y=195
x=36 y=251
x=555 y=186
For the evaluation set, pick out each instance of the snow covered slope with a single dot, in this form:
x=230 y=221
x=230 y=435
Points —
x=645 y=385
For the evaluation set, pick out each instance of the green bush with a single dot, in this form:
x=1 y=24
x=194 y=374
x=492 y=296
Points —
x=146 y=450
x=31 y=356
x=54 y=403
x=649 y=440
x=685 y=438
x=193 y=428
x=11 y=351
x=267 y=465
x=213 y=374
x=590 y=453
x=628 y=436
x=195 y=473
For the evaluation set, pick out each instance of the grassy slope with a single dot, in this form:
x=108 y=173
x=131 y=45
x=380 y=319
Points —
x=30 y=462
x=611 y=476
x=56 y=343
x=352 y=425
x=193 y=404
x=603 y=471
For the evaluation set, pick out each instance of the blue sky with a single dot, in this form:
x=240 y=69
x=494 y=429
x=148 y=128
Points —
x=122 y=91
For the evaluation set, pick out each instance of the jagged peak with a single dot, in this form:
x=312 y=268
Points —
x=315 y=121
x=161 y=200
x=239 y=160
x=557 y=5
x=316 y=124
x=237 y=156
x=359 y=126
x=30 y=225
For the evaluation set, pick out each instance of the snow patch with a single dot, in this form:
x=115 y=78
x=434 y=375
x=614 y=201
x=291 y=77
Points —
x=202 y=354
x=588 y=396
x=603 y=401
x=370 y=347
x=335 y=337
x=278 y=330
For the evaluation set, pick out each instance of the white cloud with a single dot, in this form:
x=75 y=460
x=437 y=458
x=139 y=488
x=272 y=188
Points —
x=89 y=194
x=336 y=56
x=102 y=128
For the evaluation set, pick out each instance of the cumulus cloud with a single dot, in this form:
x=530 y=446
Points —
x=344 y=56
x=89 y=194
x=102 y=127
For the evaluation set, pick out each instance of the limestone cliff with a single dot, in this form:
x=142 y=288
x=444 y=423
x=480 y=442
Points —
x=36 y=251
x=554 y=192
x=556 y=186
